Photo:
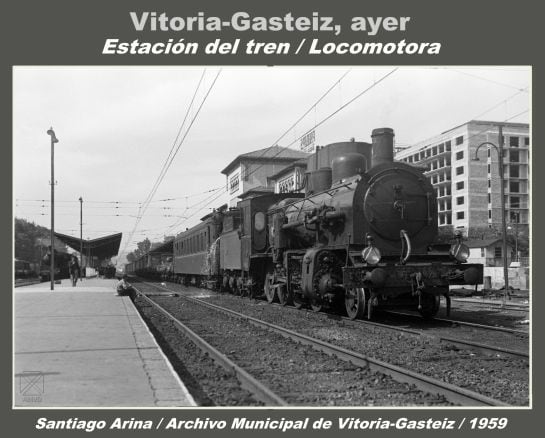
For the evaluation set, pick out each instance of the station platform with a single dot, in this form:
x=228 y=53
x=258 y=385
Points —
x=85 y=346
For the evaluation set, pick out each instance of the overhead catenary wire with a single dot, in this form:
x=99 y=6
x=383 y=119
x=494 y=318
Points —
x=283 y=148
x=143 y=209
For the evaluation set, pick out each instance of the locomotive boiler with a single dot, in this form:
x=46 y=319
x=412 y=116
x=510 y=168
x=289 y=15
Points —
x=363 y=236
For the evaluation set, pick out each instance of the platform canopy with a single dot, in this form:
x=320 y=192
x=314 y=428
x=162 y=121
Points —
x=103 y=247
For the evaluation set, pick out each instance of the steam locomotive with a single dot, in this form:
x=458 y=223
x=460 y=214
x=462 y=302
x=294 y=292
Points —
x=361 y=237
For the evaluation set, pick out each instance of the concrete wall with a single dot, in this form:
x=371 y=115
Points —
x=519 y=278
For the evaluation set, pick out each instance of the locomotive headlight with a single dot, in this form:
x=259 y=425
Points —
x=371 y=255
x=460 y=252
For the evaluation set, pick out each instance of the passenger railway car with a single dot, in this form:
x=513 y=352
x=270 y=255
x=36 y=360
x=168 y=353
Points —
x=195 y=259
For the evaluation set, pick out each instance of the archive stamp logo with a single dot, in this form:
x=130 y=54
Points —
x=32 y=386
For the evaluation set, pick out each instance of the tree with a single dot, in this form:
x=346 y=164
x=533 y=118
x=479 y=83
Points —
x=28 y=240
x=142 y=248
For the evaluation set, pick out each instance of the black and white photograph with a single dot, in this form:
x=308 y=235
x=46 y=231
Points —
x=282 y=236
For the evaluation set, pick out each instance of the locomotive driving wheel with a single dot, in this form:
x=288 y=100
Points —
x=283 y=295
x=429 y=305
x=298 y=301
x=355 y=302
x=316 y=305
x=270 y=291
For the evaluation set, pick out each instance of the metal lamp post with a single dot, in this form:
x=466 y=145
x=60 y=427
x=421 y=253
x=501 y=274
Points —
x=81 y=233
x=54 y=140
x=499 y=151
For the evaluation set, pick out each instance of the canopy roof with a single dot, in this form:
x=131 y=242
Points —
x=103 y=247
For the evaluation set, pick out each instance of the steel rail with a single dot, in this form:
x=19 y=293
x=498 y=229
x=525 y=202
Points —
x=464 y=323
x=471 y=345
x=261 y=392
x=452 y=393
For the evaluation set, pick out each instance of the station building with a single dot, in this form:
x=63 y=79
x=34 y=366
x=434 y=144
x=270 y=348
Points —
x=251 y=170
x=468 y=191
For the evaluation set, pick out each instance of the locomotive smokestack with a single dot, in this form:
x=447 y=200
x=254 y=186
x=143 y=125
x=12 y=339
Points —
x=383 y=146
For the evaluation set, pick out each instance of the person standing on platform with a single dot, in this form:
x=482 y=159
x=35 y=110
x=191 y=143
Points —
x=73 y=267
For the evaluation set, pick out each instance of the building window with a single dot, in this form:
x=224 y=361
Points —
x=489 y=183
x=489 y=199
x=460 y=185
x=460 y=215
x=526 y=141
x=415 y=158
x=514 y=171
x=514 y=186
x=441 y=219
x=434 y=179
x=489 y=214
x=460 y=170
x=234 y=183
x=286 y=185
x=488 y=168
x=428 y=152
x=434 y=150
x=514 y=202
x=411 y=159
x=449 y=219
x=515 y=217
x=441 y=148
x=449 y=205
x=514 y=156
x=514 y=142
x=460 y=200
x=447 y=145
x=482 y=252
x=460 y=155
x=459 y=140
x=497 y=252
x=448 y=191
x=422 y=155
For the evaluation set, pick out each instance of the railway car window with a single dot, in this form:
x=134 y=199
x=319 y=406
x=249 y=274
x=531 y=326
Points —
x=259 y=221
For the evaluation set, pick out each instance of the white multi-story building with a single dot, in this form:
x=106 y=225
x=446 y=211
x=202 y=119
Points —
x=468 y=191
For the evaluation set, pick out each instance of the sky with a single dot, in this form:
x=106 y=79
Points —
x=118 y=126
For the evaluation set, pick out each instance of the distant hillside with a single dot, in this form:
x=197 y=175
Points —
x=31 y=241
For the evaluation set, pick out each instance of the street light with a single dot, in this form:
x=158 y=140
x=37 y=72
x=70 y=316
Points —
x=499 y=151
x=54 y=140
x=81 y=234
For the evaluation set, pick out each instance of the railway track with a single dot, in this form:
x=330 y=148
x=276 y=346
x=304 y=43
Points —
x=260 y=391
x=459 y=342
x=452 y=393
x=454 y=322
